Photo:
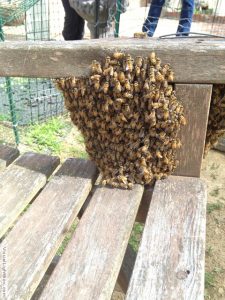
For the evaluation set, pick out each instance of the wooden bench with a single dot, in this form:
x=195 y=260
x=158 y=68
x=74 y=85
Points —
x=170 y=259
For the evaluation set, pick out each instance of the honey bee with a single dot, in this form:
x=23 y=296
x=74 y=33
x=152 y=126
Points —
x=127 y=85
x=158 y=64
x=126 y=108
x=118 y=55
x=138 y=61
x=73 y=82
x=183 y=120
x=137 y=71
x=143 y=74
x=168 y=91
x=140 y=35
x=170 y=76
x=97 y=85
x=121 y=77
x=95 y=77
x=166 y=115
x=83 y=91
x=152 y=118
x=107 y=62
x=117 y=87
x=156 y=105
x=96 y=67
x=146 y=86
x=129 y=65
x=136 y=88
x=152 y=75
x=122 y=117
x=105 y=87
x=159 y=77
x=128 y=95
x=152 y=58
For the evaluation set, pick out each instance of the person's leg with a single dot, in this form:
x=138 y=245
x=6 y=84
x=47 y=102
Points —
x=151 y=22
x=73 y=23
x=185 y=17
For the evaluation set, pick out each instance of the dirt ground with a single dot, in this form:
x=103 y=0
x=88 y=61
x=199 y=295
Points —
x=213 y=172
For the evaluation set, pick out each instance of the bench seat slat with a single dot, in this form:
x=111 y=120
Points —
x=170 y=260
x=19 y=183
x=34 y=240
x=7 y=156
x=90 y=264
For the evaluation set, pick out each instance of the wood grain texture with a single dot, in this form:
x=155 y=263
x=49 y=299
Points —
x=193 y=60
x=91 y=262
x=196 y=100
x=37 y=162
x=42 y=228
x=20 y=182
x=2 y=164
x=18 y=186
x=7 y=155
x=170 y=260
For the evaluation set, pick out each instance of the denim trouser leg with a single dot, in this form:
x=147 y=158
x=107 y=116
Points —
x=186 y=17
x=151 y=22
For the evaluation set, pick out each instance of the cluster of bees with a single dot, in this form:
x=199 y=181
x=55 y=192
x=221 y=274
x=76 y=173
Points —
x=216 y=122
x=129 y=116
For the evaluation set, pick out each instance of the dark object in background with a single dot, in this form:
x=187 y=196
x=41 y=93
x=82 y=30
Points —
x=73 y=23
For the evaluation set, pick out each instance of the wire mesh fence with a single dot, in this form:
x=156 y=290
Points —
x=28 y=100
x=25 y=101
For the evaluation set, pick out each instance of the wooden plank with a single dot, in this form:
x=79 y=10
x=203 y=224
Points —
x=196 y=100
x=90 y=264
x=170 y=260
x=20 y=183
x=42 y=228
x=7 y=156
x=193 y=60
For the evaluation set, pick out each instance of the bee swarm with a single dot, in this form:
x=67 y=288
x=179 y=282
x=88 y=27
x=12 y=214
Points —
x=216 y=123
x=129 y=116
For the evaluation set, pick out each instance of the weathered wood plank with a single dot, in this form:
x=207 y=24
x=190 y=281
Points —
x=20 y=182
x=170 y=260
x=40 y=163
x=90 y=264
x=45 y=223
x=7 y=156
x=196 y=100
x=193 y=60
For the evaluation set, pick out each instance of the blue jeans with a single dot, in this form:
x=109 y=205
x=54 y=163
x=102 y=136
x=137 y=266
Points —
x=154 y=13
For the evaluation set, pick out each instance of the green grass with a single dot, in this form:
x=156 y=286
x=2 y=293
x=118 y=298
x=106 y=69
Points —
x=67 y=238
x=209 y=251
x=4 y=117
x=209 y=279
x=214 y=166
x=136 y=236
x=46 y=137
x=214 y=206
x=213 y=176
x=215 y=192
